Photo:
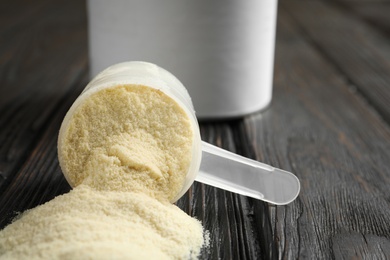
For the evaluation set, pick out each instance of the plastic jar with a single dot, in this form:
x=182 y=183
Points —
x=222 y=51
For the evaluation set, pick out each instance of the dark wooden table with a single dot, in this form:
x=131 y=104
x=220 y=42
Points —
x=328 y=123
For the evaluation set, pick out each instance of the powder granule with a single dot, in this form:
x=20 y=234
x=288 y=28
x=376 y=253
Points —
x=90 y=224
x=128 y=137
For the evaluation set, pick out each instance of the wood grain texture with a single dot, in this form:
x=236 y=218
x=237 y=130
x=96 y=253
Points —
x=328 y=123
x=375 y=14
x=359 y=51
x=335 y=143
x=41 y=58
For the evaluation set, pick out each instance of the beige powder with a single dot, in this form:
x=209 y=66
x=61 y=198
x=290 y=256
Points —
x=128 y=138
x=126 y=152
x=91 y=224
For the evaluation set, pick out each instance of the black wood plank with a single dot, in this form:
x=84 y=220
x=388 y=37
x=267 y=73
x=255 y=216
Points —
x=338 y=146
x=375 y=13
x=358 y=50
x=40 y=60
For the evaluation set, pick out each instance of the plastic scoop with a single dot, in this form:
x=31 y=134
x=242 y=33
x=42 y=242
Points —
x=232 y=172
x=210 y=164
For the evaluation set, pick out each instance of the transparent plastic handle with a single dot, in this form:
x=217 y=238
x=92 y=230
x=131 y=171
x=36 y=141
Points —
x=232 y=172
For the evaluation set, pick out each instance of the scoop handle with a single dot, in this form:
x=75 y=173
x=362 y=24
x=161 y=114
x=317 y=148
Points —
x=232 y=172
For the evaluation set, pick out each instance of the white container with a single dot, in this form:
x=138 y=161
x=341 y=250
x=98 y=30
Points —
x=222 y=50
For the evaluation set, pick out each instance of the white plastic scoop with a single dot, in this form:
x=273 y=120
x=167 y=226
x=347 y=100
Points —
x=210 y=164
x=229 y=171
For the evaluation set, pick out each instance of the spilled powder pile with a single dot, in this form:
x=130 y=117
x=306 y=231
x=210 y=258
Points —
x=91 y=224
x=126 y=150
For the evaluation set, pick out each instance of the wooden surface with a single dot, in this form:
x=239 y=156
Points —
x=328 y=123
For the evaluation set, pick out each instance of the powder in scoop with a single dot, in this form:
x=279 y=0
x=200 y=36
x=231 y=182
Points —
x=128 y=138
x=126 y=151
